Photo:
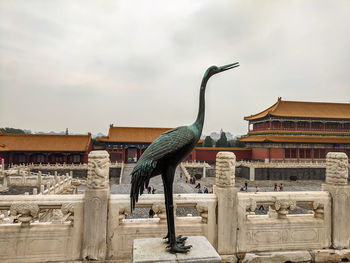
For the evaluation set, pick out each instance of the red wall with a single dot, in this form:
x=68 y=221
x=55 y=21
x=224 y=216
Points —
x=265 y=153
x=260 y=153
x=209 y=155
x=277 y=153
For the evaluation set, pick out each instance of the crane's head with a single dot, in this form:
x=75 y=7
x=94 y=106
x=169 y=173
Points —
x=214 y=69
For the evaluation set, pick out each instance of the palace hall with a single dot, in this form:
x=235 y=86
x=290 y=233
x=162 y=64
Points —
x=44 y=148
x=293 y=130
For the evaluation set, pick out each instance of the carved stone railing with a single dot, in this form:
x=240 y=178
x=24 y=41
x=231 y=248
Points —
x=48 y=166
x=59 y=166
x=184 y=170
x=76 y=227
x=122 y=232
x=278 y=230
x=196 y=164
x=283 y=164
x=48 y=228
x=49 y=184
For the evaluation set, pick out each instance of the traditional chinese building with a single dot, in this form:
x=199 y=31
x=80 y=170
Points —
x=299 y=130
x=43 y=148
x=126 y=144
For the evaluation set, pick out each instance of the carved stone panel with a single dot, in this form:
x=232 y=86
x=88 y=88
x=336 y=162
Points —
x=68 y=212
x=336 y=168
x=160 y=210
x=202 y=208
x=283 y=206
x=98 y=170
x=26 y=212
x=225 y=169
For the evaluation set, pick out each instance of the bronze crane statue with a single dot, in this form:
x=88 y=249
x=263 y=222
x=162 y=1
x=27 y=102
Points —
x=163 y=156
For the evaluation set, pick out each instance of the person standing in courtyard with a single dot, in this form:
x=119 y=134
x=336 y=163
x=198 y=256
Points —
x=246 y=186
x=151 y=213
x=186 y=180
x=275 y=187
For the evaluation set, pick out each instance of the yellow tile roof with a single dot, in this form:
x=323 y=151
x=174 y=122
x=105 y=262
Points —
x=296 y=139
x=133 y=134
x=44 y=142
x=303 y=109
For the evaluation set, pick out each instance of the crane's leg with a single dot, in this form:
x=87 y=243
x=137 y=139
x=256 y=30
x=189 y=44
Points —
x=168 y=179
x=167 y=216
x=179 y=239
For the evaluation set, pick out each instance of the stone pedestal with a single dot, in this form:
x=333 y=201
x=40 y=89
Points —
x=154 y=250
x=251 y=173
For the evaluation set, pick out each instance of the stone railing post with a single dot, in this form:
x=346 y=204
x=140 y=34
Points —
x=227 y=203
x=3 y=166
x=337 y=185
x=48 y=187
x=55 y=177
x=95 y=206
x=39 y=178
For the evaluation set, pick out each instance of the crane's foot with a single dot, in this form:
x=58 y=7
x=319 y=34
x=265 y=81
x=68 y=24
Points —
x=178 y=248
x=179 y=239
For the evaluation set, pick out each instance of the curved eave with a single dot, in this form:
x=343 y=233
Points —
x=263 y=113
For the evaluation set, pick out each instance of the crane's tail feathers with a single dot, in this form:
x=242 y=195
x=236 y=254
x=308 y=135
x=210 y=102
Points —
x=140 y=177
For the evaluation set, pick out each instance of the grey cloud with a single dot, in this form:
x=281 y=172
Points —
x=141 y=64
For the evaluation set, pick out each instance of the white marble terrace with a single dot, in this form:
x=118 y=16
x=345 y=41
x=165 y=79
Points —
x=93 y=225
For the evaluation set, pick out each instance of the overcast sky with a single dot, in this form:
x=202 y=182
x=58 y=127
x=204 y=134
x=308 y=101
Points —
x=83 y=65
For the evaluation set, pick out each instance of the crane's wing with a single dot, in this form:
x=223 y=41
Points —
x=166 y=144
x=169 y=142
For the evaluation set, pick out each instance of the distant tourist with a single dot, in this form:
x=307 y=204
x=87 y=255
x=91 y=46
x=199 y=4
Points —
x=256 y=189
x=198 y=186
x=242 y=188
x=194 y=180
x=199 y=191
x=148 y=189
x=275 y=187
x=246 y=186
x=153 y=191
x=151 y=213
x=206 y=190
x=281 y=187
x=186 y=180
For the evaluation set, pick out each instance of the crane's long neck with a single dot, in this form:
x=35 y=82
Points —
x=201 y=111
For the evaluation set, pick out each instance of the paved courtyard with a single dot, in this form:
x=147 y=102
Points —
x=180 y=186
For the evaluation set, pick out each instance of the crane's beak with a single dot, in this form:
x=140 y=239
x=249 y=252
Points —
x=229 y=66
